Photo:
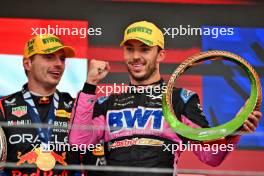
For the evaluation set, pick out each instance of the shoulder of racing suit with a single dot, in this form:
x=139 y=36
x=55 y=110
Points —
x=16 y=100
x=65 y=96
x=66 y=101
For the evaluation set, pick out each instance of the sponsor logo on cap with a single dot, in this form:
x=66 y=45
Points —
x=139 y=29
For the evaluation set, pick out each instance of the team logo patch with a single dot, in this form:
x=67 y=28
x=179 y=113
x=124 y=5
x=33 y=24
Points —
x=101 y=100
x=68 y=105
x=11 y=102
x=19 y=111
x=63 y=113
x=186 y=95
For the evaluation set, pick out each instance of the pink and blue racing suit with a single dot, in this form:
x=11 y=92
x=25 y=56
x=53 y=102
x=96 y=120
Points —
x=134 y=129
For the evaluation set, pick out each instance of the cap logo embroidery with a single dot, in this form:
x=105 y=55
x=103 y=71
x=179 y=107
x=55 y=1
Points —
x=51 y=39
x=139 y=29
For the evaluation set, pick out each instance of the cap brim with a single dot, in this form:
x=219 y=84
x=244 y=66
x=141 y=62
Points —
x=122 y=43
x=139 y=39
x=69 y=51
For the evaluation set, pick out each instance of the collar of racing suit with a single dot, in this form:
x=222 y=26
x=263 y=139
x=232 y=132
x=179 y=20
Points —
x=159 y=82
x=25 y=88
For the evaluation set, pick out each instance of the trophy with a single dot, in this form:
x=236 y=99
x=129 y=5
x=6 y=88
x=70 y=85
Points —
x=208 y=134
x=3 y=148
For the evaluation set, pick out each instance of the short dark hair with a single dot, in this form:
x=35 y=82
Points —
x=31 y=58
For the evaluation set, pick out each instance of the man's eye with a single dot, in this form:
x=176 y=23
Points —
x=145 y=49
x=129 y=48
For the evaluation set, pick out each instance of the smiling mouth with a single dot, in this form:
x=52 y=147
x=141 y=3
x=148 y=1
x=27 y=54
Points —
x=137 y=65
x=55 y=74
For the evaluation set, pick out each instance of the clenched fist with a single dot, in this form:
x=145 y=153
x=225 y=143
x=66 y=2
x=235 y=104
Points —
x=97 y=70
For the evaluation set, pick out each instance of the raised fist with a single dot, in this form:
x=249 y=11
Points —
x=97 y=70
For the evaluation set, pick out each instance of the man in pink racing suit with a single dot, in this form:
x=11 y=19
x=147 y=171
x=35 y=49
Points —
x=131 y=123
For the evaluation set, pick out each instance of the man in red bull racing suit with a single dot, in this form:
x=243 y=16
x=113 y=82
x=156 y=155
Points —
x=39 y=103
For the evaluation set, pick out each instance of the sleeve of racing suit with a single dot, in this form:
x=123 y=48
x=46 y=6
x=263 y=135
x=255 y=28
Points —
x=88 y=118
x=2 y=117
x=213 y=152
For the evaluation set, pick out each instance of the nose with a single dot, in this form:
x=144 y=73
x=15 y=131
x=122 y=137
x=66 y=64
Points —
x=136 y=54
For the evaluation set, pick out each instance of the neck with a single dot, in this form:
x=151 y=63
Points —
x=40 y=90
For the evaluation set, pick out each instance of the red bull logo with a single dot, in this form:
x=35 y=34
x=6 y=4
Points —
x=44 y=100
x=60 y=158
x=29 y=157
x=98 y=151
x=39 y=173
x=44 y=160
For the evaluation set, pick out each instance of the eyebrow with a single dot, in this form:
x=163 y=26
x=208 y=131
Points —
x=50 y=54
x=53 y=55
x=142 y=45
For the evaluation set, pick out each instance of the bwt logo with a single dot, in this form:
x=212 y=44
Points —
x=136 y=118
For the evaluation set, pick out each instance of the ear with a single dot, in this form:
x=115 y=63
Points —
x=161 y=55
x=27 y=64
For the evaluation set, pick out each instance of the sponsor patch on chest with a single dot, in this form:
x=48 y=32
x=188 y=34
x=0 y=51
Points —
x=63 y=113
x=19 y=111
x=135 y=118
